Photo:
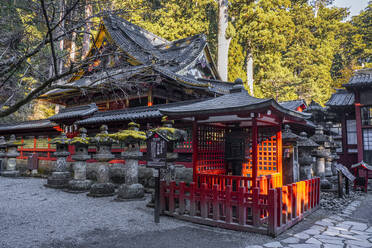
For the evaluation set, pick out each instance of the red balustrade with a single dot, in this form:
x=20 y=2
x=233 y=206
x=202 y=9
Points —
x=234 y=206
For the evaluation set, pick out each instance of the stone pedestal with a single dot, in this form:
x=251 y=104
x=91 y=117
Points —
x=103 y=187
x=321 y=154
x=11 y=161
x=60 y=177
x=328 y=166
x=80 y=183
x=305 y=159
x=131 y=189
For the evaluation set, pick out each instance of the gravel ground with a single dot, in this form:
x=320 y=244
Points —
x=34 y=216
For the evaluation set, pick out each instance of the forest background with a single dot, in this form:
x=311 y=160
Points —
x=291 y=49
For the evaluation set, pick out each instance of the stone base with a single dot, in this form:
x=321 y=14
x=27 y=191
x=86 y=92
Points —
x=130 y=192
x=58 y=180
x=325 y=184
x=78 y=186
x=12 y=173
x=102 y=190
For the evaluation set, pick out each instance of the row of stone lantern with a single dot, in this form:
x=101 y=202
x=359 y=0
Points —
x=316 y=156
x=8 y=155
x=61 y=177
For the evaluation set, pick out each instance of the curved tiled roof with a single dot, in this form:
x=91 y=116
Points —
x=238 y=100
x=361 y=78
x=34 y=124
x=293 y=105
x=75 y=112
x=341 y=98
x=130 y=113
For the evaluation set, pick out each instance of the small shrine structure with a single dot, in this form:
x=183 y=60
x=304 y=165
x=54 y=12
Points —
x=237 y=164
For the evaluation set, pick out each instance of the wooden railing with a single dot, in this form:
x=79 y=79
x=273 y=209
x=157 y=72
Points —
x=241 y=209
x=263 y=182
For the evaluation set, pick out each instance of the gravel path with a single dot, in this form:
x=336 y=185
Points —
x=34 y=216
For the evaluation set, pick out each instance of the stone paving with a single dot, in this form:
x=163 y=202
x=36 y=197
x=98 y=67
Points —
x=332 y=232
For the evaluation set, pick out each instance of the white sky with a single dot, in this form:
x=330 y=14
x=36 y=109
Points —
x=355 y=6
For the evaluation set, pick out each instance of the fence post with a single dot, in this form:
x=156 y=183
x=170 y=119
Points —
x=203 y=201
x=163 y=186
x=294 y=200
x=241 y=206
x=285 y=204
x=216 y=208
x=256 y=209
x=182 y=198
x=318 y=191
x=273 y=204
x=192 y=199
x=228 y=208
x=290 y=202
x=279 y=206
x=171 y=196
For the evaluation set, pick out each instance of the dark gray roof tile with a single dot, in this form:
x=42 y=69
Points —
x=34 y=124
x=75 y=112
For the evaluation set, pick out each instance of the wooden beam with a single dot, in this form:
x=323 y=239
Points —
x=194 y=149
x=254 y=151
x=279 y=153
x=358 y=127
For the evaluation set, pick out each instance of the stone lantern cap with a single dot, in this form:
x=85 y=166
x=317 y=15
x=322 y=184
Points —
x=103 y=138
x=2 y=142
x=288 y=136
x=13 y=142
x=60 y=140
x=304 y=141
x=82 y=139
x=319 y=136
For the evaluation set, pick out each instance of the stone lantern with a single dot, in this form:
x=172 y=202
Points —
x=322 y=154
x=305 y=159
x=103 y=143
x=11 y=155
x=291 y=170
x=60 y=177
x=130 y=138
x=2 y=153
x=80 y=183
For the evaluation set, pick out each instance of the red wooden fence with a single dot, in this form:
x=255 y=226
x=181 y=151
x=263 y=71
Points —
x=241 y=208
x=264 y=182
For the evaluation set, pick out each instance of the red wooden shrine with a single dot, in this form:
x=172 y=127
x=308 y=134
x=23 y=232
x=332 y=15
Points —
x=237 y=167
x=362 y=172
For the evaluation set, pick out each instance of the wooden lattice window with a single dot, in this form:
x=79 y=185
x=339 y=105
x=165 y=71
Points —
x=211 y=150
x=266 y=158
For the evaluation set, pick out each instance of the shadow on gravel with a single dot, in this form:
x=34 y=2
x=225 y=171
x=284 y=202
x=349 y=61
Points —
x=181 y=237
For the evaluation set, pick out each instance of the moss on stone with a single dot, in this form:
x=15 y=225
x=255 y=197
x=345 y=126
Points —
x=80 y=140
x=128 y=136
x=172 y=134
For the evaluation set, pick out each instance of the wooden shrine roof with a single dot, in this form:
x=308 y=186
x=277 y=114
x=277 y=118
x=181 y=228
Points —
x=294 y=104
x=75 y=112
x=362 y=164
x=361 y=78
x=238 y=100
x=27 y=125
x=130 y=114
x=341 y=98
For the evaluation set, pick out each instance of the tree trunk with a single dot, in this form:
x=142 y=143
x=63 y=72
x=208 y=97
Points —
x=88 y=27
x=249 y=63
x=223 y=42
x=62 y=6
